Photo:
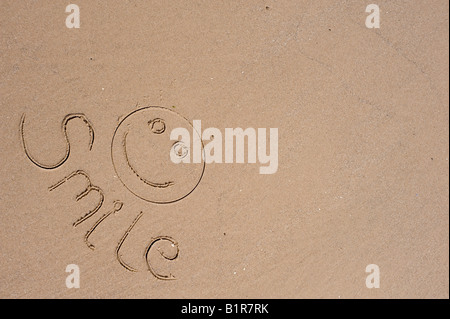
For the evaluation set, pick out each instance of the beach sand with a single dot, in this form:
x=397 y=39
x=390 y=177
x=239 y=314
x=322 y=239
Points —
x=363 y=145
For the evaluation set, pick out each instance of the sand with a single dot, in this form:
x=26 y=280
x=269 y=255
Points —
x=362 y=117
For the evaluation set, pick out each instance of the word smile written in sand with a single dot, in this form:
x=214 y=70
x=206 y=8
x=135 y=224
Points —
x=139 y=154
x=212 y=151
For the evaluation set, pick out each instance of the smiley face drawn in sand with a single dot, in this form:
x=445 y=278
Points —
x=140 y=152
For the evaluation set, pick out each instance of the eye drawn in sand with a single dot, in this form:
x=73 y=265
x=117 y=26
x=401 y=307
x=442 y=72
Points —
x=140 y=153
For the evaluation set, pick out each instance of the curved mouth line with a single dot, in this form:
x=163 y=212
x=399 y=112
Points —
x=150 y=183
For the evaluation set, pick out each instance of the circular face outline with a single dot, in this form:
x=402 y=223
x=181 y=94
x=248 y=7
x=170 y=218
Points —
x=116 y=170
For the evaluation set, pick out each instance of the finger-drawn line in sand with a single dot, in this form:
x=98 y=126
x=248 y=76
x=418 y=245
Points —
x=64 y=123
x=152 y=184
x=147 y=251
x=117 y=206
x=119 y=245
x=89 y=188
